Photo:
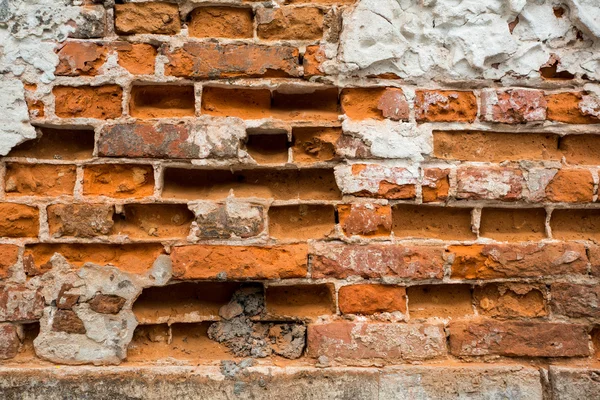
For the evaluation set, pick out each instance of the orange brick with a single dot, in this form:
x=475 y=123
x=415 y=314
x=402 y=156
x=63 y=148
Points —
x=40 y=180
x=376 y=103
x=18 y=220
x=240 y=262
x=371 y=299
x=119 y=181
x=290 y=23
x=365 y=219
x=571 y=186
x=100 y=102
x=564 y=107
x=137 y=58
x=9 y=255
x=435 y=185
x=147 y=17
x=227 y=22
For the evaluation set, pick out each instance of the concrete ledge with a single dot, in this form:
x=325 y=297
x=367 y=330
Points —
x=233 y=382
x=569 y=383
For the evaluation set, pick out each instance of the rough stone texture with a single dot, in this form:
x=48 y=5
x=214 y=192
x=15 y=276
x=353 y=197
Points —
x=9 y=341
x=234 y=219
x=574 y=383
x=81 y=220
x=576 y=300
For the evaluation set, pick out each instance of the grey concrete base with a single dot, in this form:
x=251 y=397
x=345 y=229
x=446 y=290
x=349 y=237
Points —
x=162 y=383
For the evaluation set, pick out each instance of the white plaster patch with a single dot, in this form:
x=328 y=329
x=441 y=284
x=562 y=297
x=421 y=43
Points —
x=389 y=139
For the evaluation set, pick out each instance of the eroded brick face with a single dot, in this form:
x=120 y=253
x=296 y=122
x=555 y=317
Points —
x=406 y=187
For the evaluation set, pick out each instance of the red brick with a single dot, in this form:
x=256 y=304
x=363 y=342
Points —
x=210 y=60
x=513 y=106
x=100 y=102
x=354 y=343
x=489 y=183
x=518 y=339
x=371 y=299
x=573 y=300
x=80 y=220
x=239 y=262
x=9 y=341
x=365 y=219
x=19 y=303
x=339 y=260
x=445 y=106
x=147 y=141
x=532 y=260
x=147 y=17
x=571 y=186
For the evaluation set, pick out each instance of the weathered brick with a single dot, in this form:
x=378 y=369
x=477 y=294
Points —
x=9 y=341
x=290 y=23
x=376 y=103
x=518 y=339
x=432 y=222
x=489 y=183
x=134 y=258
x=39 y=180
x=435 y=184
x=508 y=300
x=365 y=219
x=311 y=145
x=378 y=181
x=339 y=260
x=575 y=224
x=354 y=343
x=513 y=106
x=80 y=220
x=371 y=299
x=301 y=222
x=313 y=58
x=571 y=186
x=581 y=149
x=227 y=22
x=303 y=301
x=9 y=255
x=445 y=106
x=513 y=224
x=80 y=58
x=118 y=180
x=234 y=219
x=239 y=262
x=575 y=300
x=137 y=58
x=107 y=303
x=440 y=301
x=210 y=60
x=19 y=303
x=147 y=17
x=100 y=102
x=18 y=220
x=147 y=141
x=495 y=146
x=533 y=260
x=564 y=107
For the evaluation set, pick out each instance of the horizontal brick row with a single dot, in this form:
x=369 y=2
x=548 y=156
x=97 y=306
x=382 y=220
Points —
x=104 y=102
x=246 y=219
x=534 y=261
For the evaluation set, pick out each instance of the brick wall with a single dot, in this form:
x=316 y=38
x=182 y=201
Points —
x=214 y=185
